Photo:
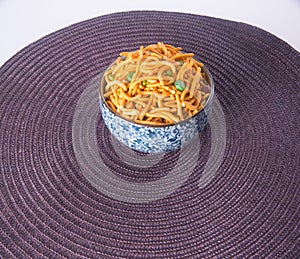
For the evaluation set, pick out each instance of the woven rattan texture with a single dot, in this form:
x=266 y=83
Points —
x=249 y=209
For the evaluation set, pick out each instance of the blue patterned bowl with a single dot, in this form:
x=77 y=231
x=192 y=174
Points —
x=156 y=139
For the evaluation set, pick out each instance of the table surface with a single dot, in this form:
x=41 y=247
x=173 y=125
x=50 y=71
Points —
x=240 y=203
x=22 y=22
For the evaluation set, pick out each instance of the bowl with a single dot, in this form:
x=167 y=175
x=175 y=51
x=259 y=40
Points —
x=155 y=138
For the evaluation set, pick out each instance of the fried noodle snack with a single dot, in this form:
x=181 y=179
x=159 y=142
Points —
x=156 y=85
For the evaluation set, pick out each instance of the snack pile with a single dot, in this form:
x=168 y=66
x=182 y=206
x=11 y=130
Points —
x=156 y=85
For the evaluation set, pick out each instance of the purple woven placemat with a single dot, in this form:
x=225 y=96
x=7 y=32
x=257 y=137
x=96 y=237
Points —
x=250 y=208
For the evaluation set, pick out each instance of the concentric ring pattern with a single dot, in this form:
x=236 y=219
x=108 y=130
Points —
x=249 y=209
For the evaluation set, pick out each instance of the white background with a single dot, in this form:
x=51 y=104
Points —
x=25 y=21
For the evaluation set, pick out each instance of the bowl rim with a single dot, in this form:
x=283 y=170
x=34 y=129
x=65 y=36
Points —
x=210 y=98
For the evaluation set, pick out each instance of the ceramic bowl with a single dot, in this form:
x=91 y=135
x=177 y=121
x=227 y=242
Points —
x=156 y=139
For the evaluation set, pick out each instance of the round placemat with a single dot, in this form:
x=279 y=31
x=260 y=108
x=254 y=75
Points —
x=68 y=189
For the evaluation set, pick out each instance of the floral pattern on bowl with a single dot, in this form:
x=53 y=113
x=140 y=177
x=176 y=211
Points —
x=149 y=139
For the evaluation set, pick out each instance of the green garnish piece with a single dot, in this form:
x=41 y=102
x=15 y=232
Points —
x=179 y=85
x=169 y=73
x=111 y=77
x=144 y=82
x=129 y=76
